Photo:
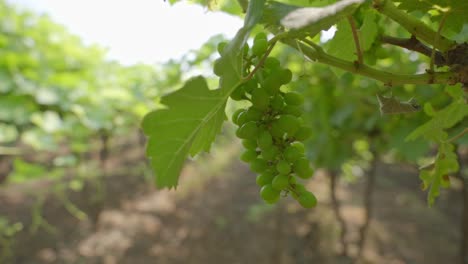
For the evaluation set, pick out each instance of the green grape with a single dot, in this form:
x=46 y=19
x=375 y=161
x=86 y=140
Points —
x=260 y=99
x=269 y=194
x=285 y=76
x=303 y=133
x=307 y=200
x=302 y=168
x=277 y=103
x=270 y=153
x=236 y=114
x=280 y=182
x=272 y=84
x=293 y=98
x=265 y=139
x=246 y=49
x=299 y=145
x=259 y=47
x=221 y=47
x=250 y=85
x=292 y=153
x=248 y=130
x=238 y=93
x=260 y=36
x=272 y=63
x=253 y=114
x=218 y=67
x=292 y=110
x=276 y=130
x=265 y=178
x=249 y=155
x=249 y=143
x=283 y=167
x=292 y=180
x=242 y=118
x=288 y=123
x=258 y=165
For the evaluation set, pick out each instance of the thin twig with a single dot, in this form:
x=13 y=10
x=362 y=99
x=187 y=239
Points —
x=356 y=39
x=459 y=135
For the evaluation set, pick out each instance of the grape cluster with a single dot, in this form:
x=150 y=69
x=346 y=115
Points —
x=271 y=129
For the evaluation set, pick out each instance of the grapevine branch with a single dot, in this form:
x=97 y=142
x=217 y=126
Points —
x=316 y=53
x=415 y=45
x=413 y=25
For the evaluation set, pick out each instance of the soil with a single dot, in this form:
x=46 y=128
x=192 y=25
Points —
x=216 y=216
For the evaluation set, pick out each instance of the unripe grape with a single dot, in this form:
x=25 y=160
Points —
x=285 y=76
x=265 y=139
x=259 y=47
x=292 y=110
x=260 y=36
x=246 y=49
x=302 y=168
x=258 y=165
x=236 y=114
x=293 y=98
x=249 y=144
x=292 y=153
x=276 y=130
x=265 y=178
x=272 y=84
x=242 y=118
x=299 y=145
x=307 y=200
x=283 y=167
x=253 y=114
x=250 y=85
x=221 y=47
x=238 y=93
x=280 y=182
x=218 y=67
x=270 y=153
x=277 y=103
x=248 y=130
x=249 y=155
x=292 y=180
x=260 y=99
x=288 y=123
x=269 y=194
x=272 y=63
x=303 y=133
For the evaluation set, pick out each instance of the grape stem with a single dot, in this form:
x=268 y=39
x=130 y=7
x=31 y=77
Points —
x=271 y=44
x=413 y=25
x=316 y=53
x=459 y=135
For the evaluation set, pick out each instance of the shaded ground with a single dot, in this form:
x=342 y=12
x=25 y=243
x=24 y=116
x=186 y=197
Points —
x=216 y=216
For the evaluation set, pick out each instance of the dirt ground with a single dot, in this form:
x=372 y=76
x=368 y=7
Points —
x=216 y=216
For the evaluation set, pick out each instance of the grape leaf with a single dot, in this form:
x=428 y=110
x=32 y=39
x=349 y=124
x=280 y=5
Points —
x=436 y=175
x=194 y=114
x=368 y=31
x=310 y=20
x=445 y=118
x=342 y=44
x=190 y=123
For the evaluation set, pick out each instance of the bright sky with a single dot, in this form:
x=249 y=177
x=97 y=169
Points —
x=146 y=31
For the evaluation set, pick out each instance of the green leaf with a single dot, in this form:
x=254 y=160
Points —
x=194 y=114
x=445 y=118
x=368 y=31
x=190 y=123
x=342 y=44
x=310 y=20
x=436 y=176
